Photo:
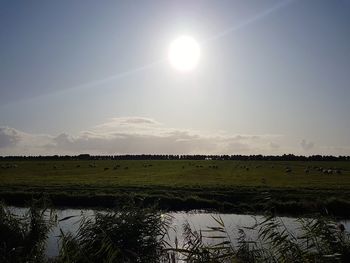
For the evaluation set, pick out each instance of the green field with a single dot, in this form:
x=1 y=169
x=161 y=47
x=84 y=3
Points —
x=179 y=184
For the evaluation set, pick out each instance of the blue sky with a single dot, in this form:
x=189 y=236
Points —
x=273 y=77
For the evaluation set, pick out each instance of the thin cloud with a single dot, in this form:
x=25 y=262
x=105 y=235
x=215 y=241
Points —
x=8 y=137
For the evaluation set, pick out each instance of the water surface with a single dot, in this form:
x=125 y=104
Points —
x=198 y=220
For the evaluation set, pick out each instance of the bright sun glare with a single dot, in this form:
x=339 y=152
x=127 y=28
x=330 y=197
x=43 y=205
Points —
x=184 y=53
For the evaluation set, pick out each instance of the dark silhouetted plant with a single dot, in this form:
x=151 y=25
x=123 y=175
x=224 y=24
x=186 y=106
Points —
x=22 y=238
x=132 y=234
x=209 y=245
x=319 y=240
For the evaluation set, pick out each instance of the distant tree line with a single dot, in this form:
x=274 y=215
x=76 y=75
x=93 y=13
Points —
x=258 y=157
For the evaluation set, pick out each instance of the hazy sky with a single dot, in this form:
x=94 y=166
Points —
x=93 y=77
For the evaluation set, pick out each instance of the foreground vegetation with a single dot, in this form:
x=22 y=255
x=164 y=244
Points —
x=22 y=238
x=293 y=186
x=136 y=234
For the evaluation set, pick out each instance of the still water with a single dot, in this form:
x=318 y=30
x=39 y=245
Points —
x=198 y=220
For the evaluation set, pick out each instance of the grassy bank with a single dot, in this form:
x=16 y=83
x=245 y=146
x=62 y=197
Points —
x=237 y=186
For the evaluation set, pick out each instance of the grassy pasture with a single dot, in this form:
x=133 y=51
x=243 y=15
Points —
x=211 y=183
x=182 y=174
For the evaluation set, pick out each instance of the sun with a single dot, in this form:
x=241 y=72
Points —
x=184 y=53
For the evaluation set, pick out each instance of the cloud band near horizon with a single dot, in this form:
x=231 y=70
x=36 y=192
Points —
x=140 y=135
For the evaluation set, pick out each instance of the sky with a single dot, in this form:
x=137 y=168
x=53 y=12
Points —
x=94 y=77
